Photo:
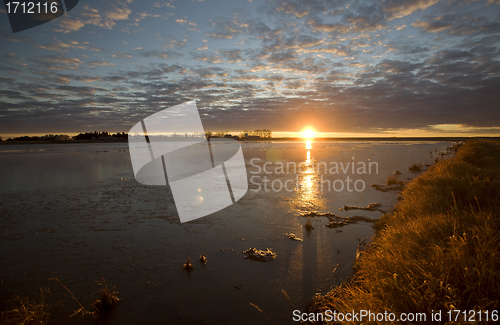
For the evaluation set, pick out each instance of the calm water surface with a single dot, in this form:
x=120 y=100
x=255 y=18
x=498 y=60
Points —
x=75 y=212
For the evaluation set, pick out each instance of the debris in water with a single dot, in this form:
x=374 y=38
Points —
x=292 y=236
x=369 y=207
x=188 y=266
x=107 y=299
x=203 y=258
x=308 y=225
x=415 y=168
x=317 y=214
x=337 y=221
x=387 y=188
x=258 y=255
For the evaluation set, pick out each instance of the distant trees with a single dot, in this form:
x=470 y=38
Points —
x=98 y=135
x=47 y=137
x=218 y=134
x=263 y=133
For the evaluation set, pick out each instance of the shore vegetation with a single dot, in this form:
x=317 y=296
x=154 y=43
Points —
x=438 y=250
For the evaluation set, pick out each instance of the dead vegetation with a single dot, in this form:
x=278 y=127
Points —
x=260 y=255
x=27 y=310
x=108 y=299
x=439 y=250
x=188 y=266
x=36 y=310
x=338 y=221
x=416 y=168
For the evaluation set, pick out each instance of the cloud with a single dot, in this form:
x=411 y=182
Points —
x=399 y=9
x=337 y=51
x=62 y=47
x=91 y=16
x=175 y=43
x=232 y=56
x=100 y=63
x=433 y=26
x=68 y=25
x=212 y=59
x=464 y=25
x=58 y=62
x=121 y=56
x=292 y=8
x=219 y=35
x=301 y=62
x=169 y=54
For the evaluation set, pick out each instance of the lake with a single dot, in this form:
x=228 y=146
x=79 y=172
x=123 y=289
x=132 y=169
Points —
x=75 y=212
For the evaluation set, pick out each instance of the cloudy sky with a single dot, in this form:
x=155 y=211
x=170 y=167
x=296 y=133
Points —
x=382 y=68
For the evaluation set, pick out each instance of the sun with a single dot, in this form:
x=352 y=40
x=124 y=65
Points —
x=308 y=133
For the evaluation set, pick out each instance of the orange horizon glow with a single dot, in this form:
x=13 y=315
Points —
x=308 y=133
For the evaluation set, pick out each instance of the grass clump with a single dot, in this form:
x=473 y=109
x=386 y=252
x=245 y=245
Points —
x=31 y=311
x=416 y=168
x=440 y=247
x=27 y=311
x=393 y=180
x=107 y=299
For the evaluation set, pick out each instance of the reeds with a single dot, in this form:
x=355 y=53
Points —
x=107 y=299
x=27 y=311
x=31 y=311
x=440 y=247
x=393 y=180
x=415 y=168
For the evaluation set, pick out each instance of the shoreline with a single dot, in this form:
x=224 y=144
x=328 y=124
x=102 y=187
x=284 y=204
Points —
x=448 y=139
x=437 y=252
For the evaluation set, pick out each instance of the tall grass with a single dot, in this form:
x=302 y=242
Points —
x=31 y=311
x=27 y=310
x=440 y=247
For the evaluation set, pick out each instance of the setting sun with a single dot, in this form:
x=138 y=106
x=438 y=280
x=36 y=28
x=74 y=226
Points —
x=308 y=133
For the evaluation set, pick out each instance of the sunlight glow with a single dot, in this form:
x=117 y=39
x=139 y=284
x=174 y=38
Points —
x=308 y=133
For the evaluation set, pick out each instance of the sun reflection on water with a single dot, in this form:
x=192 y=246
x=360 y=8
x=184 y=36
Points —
x=308 y=196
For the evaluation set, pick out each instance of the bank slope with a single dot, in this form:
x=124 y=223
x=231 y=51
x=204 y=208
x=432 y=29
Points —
x=440 y=248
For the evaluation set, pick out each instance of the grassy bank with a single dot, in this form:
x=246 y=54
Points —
x=439 y=249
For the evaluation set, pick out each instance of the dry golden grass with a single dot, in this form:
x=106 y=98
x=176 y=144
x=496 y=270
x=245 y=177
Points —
x=31 y=311
x=415 y=168
x=107 y=299
x=394 y=180
x=27 y=311
x=439 y=249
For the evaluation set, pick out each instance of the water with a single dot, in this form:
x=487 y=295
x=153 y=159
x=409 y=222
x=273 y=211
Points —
x=75 y=212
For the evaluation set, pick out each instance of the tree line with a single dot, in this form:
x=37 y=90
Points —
x=263 y=133
x=81 y=136
x=99 y=135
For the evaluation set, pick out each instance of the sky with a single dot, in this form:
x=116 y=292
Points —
x=342 y=68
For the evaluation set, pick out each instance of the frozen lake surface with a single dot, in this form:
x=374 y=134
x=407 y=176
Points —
x=75 y=212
